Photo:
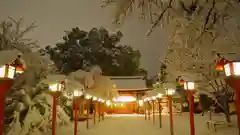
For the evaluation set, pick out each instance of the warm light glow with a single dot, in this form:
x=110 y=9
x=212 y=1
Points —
x=148 y=99
x=114 y=99
x=88 y=96
x=140 y=102
x=77 y=93
x=54 y=87
x=189 y=86
x=102 y=101
x=159 y=95
x=236 y=68
x=121 y=104
x=154 y=98
x=114 y=86
x=125 y=99
x=108 y=103
x=170 y=91
x=227 y=69
x=19 y=69
x=99 y=100
x=7 y=72
x=94 y=98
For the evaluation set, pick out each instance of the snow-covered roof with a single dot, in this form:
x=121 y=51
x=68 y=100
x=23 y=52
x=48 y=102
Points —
x=128 y=83
x=7 y=57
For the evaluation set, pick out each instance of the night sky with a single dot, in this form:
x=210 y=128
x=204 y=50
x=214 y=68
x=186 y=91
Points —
x=55 y=16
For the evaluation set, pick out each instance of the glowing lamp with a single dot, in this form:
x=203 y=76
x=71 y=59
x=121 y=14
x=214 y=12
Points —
x=232 y=68
x=99 y=100
x=189 y=86
x=108 y=103
x=140 y=102
x=7 y=72
x=159 y=95
x=94 y=98
x=170 y=91
x=57 y=87
x=19 y=69
x=77 y=93
x=220 y=64
x=88 y=96
x=154 y=98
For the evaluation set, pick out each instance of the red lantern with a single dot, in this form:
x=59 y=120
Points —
x=19 y=69
x=181 y=82
x=220 y=64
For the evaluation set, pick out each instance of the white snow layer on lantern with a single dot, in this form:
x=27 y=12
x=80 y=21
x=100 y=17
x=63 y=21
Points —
x=86 y=78
x=7 y=57
x=53 y=78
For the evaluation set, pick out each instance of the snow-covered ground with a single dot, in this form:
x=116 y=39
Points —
x=136 y=125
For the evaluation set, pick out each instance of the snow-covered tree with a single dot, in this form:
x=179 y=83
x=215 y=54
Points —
x=198 y=30
x=28 y=107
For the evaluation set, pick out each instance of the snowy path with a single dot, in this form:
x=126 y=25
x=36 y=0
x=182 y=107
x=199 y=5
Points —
x=136 y=125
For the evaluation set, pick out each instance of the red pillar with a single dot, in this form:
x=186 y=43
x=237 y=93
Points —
x=191 y=112
x=170 y=114
x=94 y=112
x=54 y=113
x=235 y=84
x=5 y=85
x=75 y=117
x=237 y=102
x=87 y=107
x=99 y=112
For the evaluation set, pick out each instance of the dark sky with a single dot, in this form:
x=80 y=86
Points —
x=55 y=16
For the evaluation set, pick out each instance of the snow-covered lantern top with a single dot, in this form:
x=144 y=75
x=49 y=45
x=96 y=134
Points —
x=220 y=64
x=7 y=69
x=18 y=64
x=170 y=92
x=232 y=68
x=189 y=86
x=56 y=83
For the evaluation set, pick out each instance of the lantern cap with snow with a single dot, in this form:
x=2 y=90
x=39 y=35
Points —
x=8 y=69
x=232 y=68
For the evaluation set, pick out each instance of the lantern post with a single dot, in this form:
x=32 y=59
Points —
x=153 y=108
x=169 y=93
x=76 y=97
x=232 y=71
x=55 y=91
x=190 y=88
x=95 y=108
x=7 y=74
x=159 y=98
x=88 y=97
